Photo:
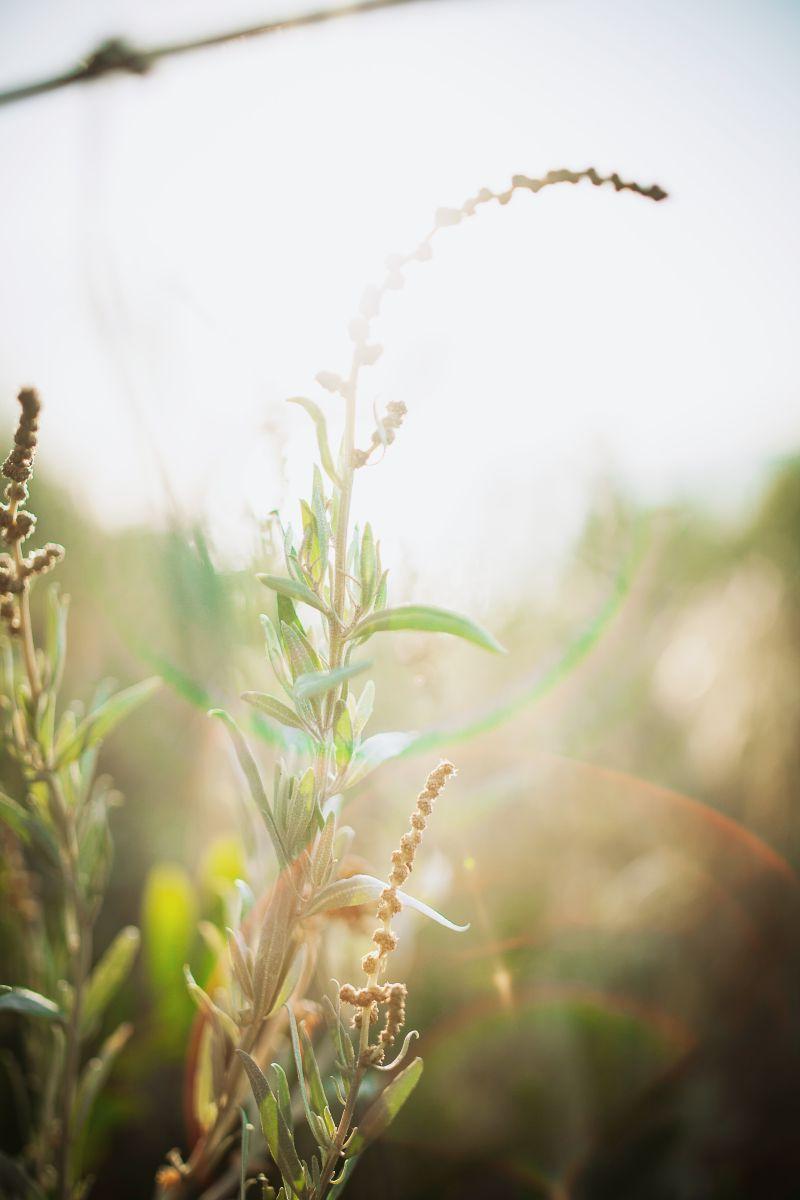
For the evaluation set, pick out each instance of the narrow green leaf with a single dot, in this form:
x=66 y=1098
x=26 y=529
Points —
x=56 y=648
x=375 y=751
x=295 y=591
x=289 y=981
x=301 y=813
x=315 y=1085
x=364 y=889
x=275 y=654
x=219 y=1019
x=380 y=1114
x=382 y=593
x=273 y=943
x=342 y=735
x=314 y=1123
x=364 y=707
x=29 y=1004
x=287 y=613
x=98 y=724
x=369 y=566
x=320 y=519
x=318 y=683
x=318 y=417
x=245 y=1154
x=95 y=1074
x=274 y=708
x=14 y=816
x=429 y=620
x=303 y=658
x=322 y=860
x=109 y=974
x=292 y=1169
x=256 y=1077
x=253 y=776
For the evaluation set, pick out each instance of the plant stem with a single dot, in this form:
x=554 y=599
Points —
x=26 y=628
x=346 y=1119
x=343 y=520
x=79 y=947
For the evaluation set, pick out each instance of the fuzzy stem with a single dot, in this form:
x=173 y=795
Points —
x=26 y=628
x=79 y=947
x=343 y=521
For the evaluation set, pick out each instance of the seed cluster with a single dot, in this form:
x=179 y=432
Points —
x=384 y=432
x=17 y=524
x=393 y=995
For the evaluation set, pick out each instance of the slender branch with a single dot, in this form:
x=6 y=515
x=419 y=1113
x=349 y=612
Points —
x=79 y=946
x=26 y=626
x=118 y=56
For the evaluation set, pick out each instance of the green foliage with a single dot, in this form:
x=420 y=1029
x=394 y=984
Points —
x=426 y=619
x=55 y=804
x=335 y=575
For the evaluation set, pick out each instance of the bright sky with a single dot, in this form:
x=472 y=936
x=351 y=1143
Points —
x=180 y=253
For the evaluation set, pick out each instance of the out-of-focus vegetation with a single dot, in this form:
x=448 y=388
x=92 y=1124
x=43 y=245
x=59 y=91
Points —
x=622 y=1018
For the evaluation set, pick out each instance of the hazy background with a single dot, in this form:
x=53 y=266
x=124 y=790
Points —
x=180 y=253
x=599 y=461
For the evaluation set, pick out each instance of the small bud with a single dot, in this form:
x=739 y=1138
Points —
x=447 y=216
x=330 y=381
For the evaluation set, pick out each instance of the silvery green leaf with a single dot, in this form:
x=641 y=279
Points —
x=339 y=1034
x=318 y=417
x=320 y=517
x=244 y=1154
x=95 y=1073
x=279 y=1085
x=109 y=974
x=382 y=592
x=380 y=1114
x=274 y=708
x=368 y=567
x=315 y=1085
x=212 y=936
x=256 y=1077
x=353 y=568
x=253 y=777
x=289 y=981
x=342 y=735
x=287 y=613
x=322 y=859
x=99 y=723
x=241 y=962
x=343 y=841
x=279 y=1139
x=318 y=683
x=427 y=619
x=315 y=1122
x=311 y=558
x=29 y=1004
x=365 y=889
x=374 y=752
x=276 y=655
x=273 y=943
x=15 y=817
x=303 y=658
x=56 y=646
x=301 y=812
x=294 y=591
x=220 y=1020
x=364 y=708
